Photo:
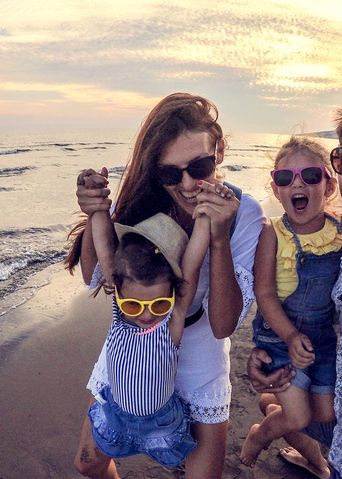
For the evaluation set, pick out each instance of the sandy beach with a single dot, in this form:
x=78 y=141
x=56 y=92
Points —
x=43 y=398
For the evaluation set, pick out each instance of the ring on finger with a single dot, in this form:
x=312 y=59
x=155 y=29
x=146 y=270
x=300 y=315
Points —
x=270 y=386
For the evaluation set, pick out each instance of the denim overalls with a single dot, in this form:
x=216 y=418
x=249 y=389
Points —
x=311 y=310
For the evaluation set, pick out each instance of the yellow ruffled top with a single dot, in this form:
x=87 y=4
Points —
x=324 y=241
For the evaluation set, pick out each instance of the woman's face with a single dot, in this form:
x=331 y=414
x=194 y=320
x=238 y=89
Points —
x=179 y=153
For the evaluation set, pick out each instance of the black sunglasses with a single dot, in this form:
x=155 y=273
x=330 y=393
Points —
x=198 y=169
x=310 y=175
x=336 y=159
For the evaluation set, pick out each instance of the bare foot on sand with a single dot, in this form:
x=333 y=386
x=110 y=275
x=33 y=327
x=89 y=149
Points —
x=251 y=447
x=291 y=455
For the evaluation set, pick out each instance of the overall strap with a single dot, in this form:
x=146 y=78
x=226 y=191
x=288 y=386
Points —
x=335 y=221
x=294 y=235
x=286 y=222
x=238 y=193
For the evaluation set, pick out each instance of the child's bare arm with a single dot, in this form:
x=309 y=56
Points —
x=192 y=260
x=268 y=302
x=191 y=264
x=103 y=238
x=265 y=284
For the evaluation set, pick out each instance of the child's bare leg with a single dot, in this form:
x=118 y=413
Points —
x=305 y=451
x=89 y=461
x=322 y=406
x=294 y=415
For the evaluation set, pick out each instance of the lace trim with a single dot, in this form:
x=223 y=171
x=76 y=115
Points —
x=99 y=375
x=245 y=280
x=209 y=415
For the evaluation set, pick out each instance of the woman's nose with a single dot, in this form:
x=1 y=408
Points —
x=187 y=181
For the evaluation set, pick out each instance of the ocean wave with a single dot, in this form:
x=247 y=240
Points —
x=14 y=151
x=13 y=265
x=33 y=230
x=16 y=170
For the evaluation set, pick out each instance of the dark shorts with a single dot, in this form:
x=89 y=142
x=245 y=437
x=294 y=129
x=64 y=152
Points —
x=164 y=436
x=318 y=378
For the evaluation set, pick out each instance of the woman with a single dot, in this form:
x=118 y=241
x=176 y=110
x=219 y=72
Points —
x=179 y=144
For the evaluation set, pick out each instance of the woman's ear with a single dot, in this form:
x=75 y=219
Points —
x=220 y=151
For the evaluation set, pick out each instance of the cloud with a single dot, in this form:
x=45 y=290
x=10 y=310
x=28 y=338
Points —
x=272 y=49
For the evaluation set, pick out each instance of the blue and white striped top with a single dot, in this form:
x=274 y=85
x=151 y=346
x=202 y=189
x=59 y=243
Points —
x=141 y=367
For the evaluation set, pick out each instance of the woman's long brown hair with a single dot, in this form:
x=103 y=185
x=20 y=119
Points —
x=140 y=195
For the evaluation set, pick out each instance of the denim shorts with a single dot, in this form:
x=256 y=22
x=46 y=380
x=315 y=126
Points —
x=164 y=436
x=321 y=431
x=334 y=474
x=318 y=378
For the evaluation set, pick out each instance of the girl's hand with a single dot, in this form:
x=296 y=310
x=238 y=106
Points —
x=220 y=204
x=92 y=191
x=300 y=350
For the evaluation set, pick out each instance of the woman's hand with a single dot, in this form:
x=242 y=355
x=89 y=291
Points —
x=92 y=191
x=267 y=383
x=219 y=203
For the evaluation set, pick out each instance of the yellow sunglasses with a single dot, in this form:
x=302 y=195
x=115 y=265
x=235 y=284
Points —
x=135 y=307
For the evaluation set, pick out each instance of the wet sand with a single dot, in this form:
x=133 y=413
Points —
x=43 y=398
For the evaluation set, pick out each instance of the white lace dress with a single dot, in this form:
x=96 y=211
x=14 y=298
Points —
x=335 y=454
x=203 y=369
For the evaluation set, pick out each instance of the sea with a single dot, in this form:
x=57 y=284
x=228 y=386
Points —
x=38 y=205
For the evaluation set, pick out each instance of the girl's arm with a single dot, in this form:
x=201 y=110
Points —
x=103 y=240
x=191 y=264
x=93 y=195
x=300 y=348
x=225 y=297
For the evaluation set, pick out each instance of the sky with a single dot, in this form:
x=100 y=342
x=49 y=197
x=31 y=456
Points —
x=269 y=65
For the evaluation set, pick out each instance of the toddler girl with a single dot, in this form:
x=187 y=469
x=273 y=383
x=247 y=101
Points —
x=154 y=274
x=296 y=267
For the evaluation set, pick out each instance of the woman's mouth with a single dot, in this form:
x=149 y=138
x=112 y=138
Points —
x=299 y=202
x=190 y=197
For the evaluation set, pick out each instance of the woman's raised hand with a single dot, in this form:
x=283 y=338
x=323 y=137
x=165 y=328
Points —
x=218 y=202
x=92 y=191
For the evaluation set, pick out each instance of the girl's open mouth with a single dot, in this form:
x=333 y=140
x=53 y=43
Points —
x=299 y=202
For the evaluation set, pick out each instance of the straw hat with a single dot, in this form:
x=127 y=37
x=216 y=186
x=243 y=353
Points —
x=163 y=232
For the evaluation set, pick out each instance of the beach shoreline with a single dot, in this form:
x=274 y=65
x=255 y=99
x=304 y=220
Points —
x=44 y=400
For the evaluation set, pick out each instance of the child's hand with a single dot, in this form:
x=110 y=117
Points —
x=300 y=350
x=220 y=204
x=92 y=191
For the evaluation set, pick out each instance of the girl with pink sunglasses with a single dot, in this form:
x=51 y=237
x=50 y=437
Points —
x=297 y=264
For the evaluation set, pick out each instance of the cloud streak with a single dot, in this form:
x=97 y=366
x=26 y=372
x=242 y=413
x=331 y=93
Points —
x=267 y=49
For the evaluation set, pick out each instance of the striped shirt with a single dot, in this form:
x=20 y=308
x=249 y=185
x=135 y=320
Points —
x=141 y=367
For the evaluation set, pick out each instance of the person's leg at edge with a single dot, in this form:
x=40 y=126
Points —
x=89 y=461
x=294 y=415
x=207 y=459
x=304 y=451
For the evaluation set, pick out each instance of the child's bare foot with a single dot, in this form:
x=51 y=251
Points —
x=252 y=447
x=292 y=456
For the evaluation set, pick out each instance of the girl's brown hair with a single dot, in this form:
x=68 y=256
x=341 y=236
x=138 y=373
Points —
x=306 y=146
x=140 y=195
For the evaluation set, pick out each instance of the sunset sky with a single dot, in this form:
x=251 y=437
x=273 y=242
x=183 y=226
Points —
x=269 y=65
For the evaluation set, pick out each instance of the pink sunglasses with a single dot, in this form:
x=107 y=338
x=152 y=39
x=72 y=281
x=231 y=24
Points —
x=310 y=175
